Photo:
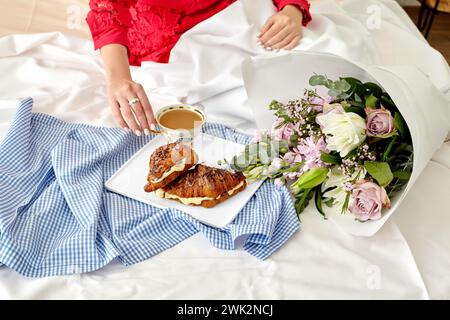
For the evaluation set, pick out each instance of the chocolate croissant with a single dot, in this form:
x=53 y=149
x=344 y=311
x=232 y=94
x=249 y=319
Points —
x=167 y=163
x=204 y=186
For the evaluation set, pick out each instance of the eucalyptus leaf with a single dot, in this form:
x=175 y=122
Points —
x=334 y=92
x=319 y=80
x=341 y=85
x=380 y=171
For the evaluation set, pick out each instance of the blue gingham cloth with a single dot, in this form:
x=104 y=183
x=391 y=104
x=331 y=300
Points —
x=56 y=217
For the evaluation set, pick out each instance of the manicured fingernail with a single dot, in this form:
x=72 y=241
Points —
x=138 y=133
x=268 y=48
x=146 y=132
x=152 y=126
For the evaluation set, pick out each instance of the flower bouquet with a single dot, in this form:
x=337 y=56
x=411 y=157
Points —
x=389 y=105
x=349 y=149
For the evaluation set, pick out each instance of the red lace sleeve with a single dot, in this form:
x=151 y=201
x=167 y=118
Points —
x=303 y=5
x=109 y=20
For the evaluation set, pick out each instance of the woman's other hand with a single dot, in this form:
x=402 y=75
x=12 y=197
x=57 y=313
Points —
x=283 y=30
x=129 y=103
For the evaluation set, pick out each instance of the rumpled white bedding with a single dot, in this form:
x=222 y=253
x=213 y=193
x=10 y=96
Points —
x=408 y=258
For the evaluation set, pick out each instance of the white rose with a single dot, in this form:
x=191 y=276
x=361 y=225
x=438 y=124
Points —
x=345 y=130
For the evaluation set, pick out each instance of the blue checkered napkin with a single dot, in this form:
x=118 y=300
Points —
x=56 y=217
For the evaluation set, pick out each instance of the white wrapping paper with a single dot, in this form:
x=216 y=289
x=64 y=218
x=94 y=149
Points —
x=424 y=107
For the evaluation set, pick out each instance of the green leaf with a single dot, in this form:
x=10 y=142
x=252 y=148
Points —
x=329 y=202
x=372 y=89
x=275 y=105
x=401 y=125
x=330 y=158
x=388 y=149
x=356 y=110
x=356 y=87
x=359 y=104
x=341 y=85
x=372 y=102
x=294 y=139
x=319 y=80
x=402 y=175
x=318 y=201
x=334 y=92
x=311 y=178
x=302 y=202
x=380 y=171
x=387 y=101
x=346 y=202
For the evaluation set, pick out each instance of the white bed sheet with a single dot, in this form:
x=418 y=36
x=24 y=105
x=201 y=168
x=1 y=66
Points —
x=408 y=258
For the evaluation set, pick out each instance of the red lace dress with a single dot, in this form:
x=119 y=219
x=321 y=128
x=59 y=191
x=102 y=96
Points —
x=150 y=28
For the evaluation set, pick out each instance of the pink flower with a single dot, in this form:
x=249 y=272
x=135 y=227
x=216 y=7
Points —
x=311 y=150
x=319 y=102
x=292 y=157
x=258 y=136
x=276 y=165
x=293 y=175
x=380 y=123
x=278 y=182
x=368 y=199
x=284 y=132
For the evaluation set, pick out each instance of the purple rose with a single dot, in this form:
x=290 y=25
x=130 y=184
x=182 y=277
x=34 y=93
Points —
x=380 y=123
x=368 y=199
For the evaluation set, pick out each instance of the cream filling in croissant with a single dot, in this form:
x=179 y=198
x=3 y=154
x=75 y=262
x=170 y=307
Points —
x=195 y=200
x=175 y=168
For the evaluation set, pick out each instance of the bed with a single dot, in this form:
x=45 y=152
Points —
x=408 y=258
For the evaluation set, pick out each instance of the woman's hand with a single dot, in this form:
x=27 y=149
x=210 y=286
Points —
x=129 y=103
x=136 y=115
x=283 y=30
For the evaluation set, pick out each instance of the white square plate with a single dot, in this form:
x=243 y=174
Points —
x=131 y=178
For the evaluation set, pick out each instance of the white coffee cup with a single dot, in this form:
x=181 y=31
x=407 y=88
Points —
x=180 y=134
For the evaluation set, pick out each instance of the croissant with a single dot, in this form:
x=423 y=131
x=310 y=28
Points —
x=204 y=186
x=167 y=163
